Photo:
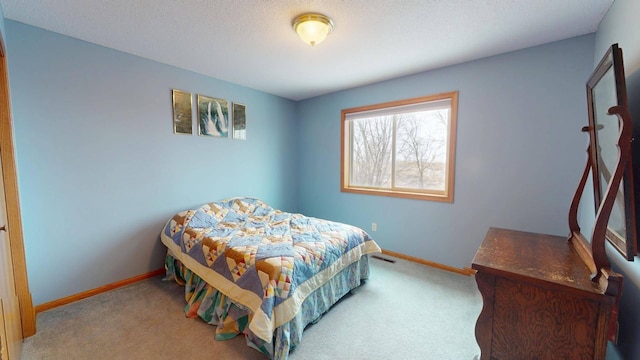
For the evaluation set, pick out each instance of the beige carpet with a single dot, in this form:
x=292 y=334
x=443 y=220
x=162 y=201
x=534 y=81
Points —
x=404 y=311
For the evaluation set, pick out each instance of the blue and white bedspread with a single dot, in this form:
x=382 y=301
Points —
x=263 y=258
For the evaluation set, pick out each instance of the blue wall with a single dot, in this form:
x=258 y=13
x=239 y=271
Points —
x=519 y=156
x=100 y=169
x=2 y=22
x=621 y=26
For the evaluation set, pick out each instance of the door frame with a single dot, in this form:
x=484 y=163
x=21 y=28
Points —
x=14 y=220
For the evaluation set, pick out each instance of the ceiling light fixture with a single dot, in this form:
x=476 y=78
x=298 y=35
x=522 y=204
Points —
x=312 y=28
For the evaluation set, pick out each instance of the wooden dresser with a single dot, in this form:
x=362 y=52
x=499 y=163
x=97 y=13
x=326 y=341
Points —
x=551 y=297
x=539 y=300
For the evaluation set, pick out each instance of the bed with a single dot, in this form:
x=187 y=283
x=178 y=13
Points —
x=251 y=269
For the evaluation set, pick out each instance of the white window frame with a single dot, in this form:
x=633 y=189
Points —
x=396 y=107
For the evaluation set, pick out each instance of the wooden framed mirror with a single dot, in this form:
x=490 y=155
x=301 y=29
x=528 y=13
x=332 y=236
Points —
x=606 y=88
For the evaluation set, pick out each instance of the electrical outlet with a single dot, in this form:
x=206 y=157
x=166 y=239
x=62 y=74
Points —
x=374 y=227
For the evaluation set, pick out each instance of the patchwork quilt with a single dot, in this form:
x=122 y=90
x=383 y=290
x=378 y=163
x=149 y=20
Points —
x=261 y=257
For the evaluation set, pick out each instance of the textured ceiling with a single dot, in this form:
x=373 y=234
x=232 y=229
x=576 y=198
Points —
x=251 y=42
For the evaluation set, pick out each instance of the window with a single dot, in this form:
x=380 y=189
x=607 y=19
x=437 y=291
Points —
x=403 y=148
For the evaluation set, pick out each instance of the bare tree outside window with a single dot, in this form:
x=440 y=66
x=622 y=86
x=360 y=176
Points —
x=372 y=151
x=404 y=148
x=421 y=150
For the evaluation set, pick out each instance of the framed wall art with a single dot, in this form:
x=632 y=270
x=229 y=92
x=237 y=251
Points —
x=213 y=116
x=239 y=128
x=182 y=115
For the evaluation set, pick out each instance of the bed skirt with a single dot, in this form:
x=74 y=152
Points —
x=232 y=319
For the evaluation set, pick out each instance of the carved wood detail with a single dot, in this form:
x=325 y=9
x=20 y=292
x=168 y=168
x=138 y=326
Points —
x=536 y=323
x=486 y=285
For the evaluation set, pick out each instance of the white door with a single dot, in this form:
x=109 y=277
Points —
x=10 y=325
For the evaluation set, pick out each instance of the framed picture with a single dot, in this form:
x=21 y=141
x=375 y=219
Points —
x=213 y=116
x=239 y=128
x=182 y=116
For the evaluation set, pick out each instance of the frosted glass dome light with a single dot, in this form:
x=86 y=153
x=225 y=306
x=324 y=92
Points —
x=312 y=28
